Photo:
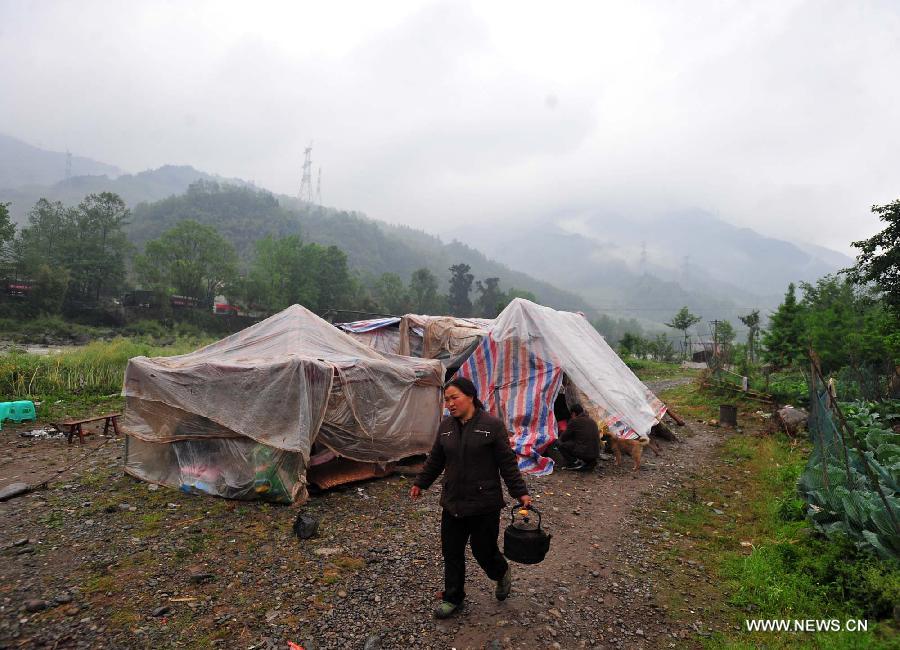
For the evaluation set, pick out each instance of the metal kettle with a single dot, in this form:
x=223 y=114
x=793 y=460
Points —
x=523 y=541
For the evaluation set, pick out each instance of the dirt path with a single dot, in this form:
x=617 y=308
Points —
x=99 y=556
x=593 y=588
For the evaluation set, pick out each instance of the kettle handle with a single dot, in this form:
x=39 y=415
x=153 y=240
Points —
x=515 y=509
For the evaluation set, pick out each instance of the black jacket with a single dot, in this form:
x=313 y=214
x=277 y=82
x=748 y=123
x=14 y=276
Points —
x=473 y=458
x=582 y=437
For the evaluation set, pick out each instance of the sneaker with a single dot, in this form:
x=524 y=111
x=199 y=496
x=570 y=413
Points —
x=504 y=584
x=446 y=609
x=578 y=464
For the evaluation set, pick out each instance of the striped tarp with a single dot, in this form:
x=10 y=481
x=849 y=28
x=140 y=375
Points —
x=360 y=326
x=519 y=386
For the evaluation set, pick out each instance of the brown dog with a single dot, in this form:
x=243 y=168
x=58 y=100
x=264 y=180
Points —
x=634 y=448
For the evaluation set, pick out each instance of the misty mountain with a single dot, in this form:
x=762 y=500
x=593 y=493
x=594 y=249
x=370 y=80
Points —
x=636 y=268
x=244 y=215
x=22 y=164
x=649 y=268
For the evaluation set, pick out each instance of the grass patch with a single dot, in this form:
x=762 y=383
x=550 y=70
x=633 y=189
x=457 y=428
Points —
x=79 y=381
x=746 y=525
x=696 y=402
x=150 y=523
x=99 y=584
x=349 y=563
x=648 y=370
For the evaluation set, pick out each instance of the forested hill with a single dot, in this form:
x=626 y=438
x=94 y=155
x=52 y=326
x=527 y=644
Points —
x=150 y=185
x=243 y=215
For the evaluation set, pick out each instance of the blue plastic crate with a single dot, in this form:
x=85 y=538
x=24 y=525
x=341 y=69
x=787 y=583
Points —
x=17 y=411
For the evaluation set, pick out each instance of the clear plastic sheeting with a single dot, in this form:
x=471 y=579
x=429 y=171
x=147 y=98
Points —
x=234 y=468
x=282 y=385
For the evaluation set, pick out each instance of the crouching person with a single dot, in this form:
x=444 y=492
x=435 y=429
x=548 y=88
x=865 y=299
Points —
x=472 y=449
x=578 y=446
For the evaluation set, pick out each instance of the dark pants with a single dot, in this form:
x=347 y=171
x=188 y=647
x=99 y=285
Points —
x=564 y=455
x=455 y=532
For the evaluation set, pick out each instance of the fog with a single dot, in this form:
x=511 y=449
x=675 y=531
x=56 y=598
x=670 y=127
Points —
x=779 y=116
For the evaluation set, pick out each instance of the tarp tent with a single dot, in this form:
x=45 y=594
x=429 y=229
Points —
x=518 y=369
x=239 y=418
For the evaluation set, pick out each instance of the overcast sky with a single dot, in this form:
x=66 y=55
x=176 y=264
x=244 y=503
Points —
x=782 y=116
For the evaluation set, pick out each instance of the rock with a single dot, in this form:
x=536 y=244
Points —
x=63 y=598
x=161 y=611
x=35 y=605
x=71 y=610
x=153 y=487
x=25 y=550
x=373 y=642
x=13 y=490
x=327 y=550
x=200 y=578
x=305 y=526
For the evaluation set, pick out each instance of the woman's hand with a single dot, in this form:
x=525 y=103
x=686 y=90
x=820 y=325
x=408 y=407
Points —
x=525 y=500
x=415 y=492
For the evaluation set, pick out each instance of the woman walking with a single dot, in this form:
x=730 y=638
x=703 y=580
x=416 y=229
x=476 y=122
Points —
x=472 y=449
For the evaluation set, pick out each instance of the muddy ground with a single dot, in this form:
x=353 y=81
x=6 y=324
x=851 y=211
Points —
x=101 y=560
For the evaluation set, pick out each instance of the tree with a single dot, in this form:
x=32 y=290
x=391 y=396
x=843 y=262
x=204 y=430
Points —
x=337 y=289
x=846 y=325
x=423 y=292
x=281 y=274
x=751 y=320
x=879 y=259
x=460 y=286
x=86 y=241
x=490 y=299
x=511 y=295
x=784 y=339
x=104 y=215
x=683 y=321
x=661 y=348
x=48 y=290
x=724 y=335
x=7 y=230
x=614 y=329
x=633 y=345
x=391 y=294
x=43 y=239
x=191 y=259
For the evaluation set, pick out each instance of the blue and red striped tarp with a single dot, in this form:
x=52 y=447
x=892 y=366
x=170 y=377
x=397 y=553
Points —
x=519 y=386
x=361 y=326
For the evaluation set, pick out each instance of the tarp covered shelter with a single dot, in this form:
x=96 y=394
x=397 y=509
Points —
x=518 y=369
x=239 y=417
